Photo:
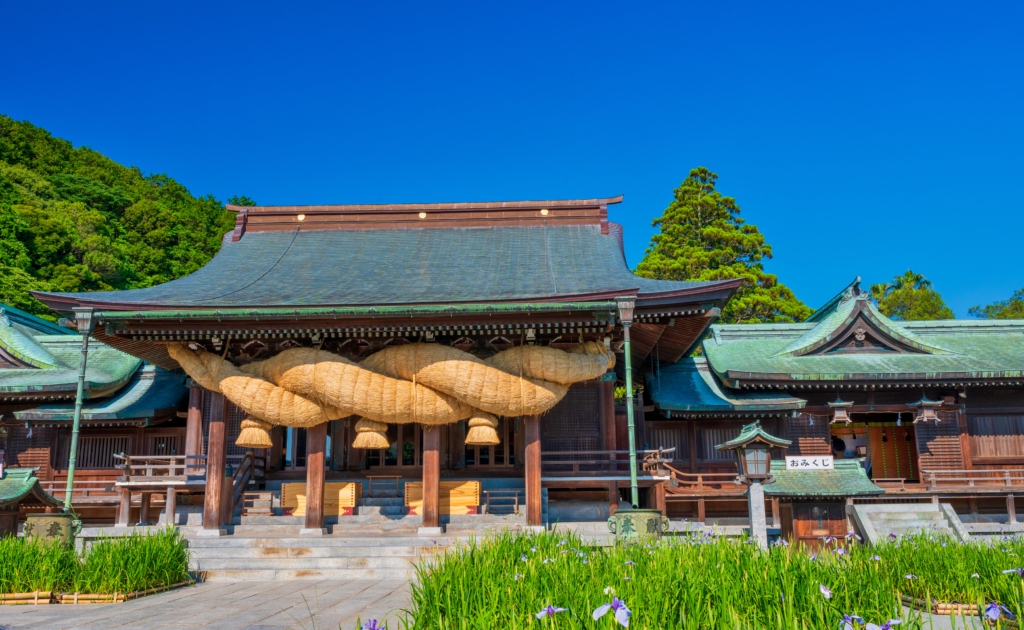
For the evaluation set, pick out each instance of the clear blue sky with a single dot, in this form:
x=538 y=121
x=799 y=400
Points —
x=861 y=138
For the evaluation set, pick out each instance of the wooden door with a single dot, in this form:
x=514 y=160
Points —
x=813 y=522
x=893 y=452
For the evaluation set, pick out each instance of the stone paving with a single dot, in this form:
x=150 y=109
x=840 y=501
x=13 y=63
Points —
x=302 y=604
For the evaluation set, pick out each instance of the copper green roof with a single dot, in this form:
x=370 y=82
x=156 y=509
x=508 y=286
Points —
x=20 y=485
x=367 y=267
x=949 y=350
x=753 y=433
x=847 y=480
x=689 y=386
x=152 y=393
x=53 y=360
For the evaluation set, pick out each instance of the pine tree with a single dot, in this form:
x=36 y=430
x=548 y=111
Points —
x=702 y=237
x=1012 y=308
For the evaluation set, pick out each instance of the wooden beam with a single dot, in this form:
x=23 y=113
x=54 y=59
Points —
x=316 y=454
x=533 y=471
x=431 y=476
x=194 y=422
x=216 y=458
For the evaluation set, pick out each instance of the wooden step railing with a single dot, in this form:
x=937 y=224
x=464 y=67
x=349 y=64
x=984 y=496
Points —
x=386 y=486
x=604 y=462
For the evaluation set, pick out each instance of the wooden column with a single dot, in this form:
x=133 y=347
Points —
x=534 y=507
x=144 y=509
x=700 y=510
x=124 y=510
x=777 y=514
x=194 y=423
x=693 y=446
x=171 y=506
x=316 y=453
x=431 y=476
x=613 y=497
x=216 y=458
x=1011 y=508
x=659 y=498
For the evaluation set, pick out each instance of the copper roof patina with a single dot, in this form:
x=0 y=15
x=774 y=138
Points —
x=847 y=480
x=20 y=486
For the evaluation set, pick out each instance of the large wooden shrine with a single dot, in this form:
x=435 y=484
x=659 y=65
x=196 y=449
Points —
x=483 y=278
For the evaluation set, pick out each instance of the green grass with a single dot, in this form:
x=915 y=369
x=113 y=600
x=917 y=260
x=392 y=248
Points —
x=120 y=564
x=704 y=582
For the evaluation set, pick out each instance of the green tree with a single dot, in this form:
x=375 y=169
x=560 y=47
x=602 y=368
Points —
x=1012 y=308
x=72 y=219
x=242 y=200
x=702 y=237
x=910 y=297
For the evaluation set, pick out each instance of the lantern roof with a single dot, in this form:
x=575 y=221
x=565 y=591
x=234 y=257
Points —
x=750 y=434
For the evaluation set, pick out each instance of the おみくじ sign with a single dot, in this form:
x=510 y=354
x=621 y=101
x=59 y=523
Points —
x=810 y=463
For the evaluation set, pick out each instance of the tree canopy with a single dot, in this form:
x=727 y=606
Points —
x=1012 y=308
x=702 y=237
x=72 y=219
x=910 y=297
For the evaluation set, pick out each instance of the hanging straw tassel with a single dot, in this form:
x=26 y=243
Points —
x=482 y=430
x=254 y=434
x=371 y=434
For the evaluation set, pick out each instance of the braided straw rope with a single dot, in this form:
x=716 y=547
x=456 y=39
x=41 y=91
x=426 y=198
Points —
x=426 y=383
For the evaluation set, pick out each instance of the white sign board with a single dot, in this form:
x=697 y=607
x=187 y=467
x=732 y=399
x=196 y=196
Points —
x=811 y=462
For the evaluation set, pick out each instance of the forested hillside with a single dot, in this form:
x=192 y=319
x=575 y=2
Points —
x=72 y=219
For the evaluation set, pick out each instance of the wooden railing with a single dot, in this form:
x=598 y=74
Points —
x=92 y=493
x=158 y=469
x=602 y=462
x=724 y=483
x=946 y=480
x=243 y=474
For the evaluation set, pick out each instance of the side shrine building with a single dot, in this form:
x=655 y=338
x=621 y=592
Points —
x=472 y=360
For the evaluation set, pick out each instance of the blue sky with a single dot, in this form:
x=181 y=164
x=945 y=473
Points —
x=862 y=138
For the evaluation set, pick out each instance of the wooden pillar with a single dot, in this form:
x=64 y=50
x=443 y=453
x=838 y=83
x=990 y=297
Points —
x=144 y=509
x=194 y=423
x=124 y=510
x=659 y=498
x=1011 y=508
x=776 y=514
x=431 y=476
x=700 y=510
x=613 y=497
x=316 y=453
x=170 y=507
x=216 y=458
x=534 y=516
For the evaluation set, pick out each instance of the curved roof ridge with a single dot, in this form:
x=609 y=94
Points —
x=22 y=345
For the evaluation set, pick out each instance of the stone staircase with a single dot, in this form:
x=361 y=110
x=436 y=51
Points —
x=879 y=522
x=242 y=558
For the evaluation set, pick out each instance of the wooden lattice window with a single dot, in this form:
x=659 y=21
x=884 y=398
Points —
x=938 y=444
x=675 y=437
x=708 y=437
x=574 y=424
x=94 y=451
x=165 y=445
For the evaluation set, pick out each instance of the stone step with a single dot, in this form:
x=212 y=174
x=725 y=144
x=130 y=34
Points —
x=381 y=501
x=406 y=551
x=380 y=510
x=901 y=531
x=305 y=574
x=913 y=516
x=241 y=542
x=263 y=564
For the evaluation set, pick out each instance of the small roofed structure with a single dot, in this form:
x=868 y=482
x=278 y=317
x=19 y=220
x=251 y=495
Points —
x=20 y=488
x=848 y=479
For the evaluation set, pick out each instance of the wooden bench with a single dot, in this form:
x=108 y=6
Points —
x=340 y=498
x=455 y=497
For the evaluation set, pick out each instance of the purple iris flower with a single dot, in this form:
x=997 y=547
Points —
x=814 y=557
x=910 y=576
x=523 y=557
x=371 y=625
x=893 y=536
x=993 y=609
x=849 y=620
x=533 y=549
x=875 y=558
x=826 y=591
x=633 y=564
x=887 y=626
x=840 y=551
x=550 y=611
x=622 y=612
x=854 y=535
x=562 y=543
x=1019 y=571
x=515 y=578
x=547 y=560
